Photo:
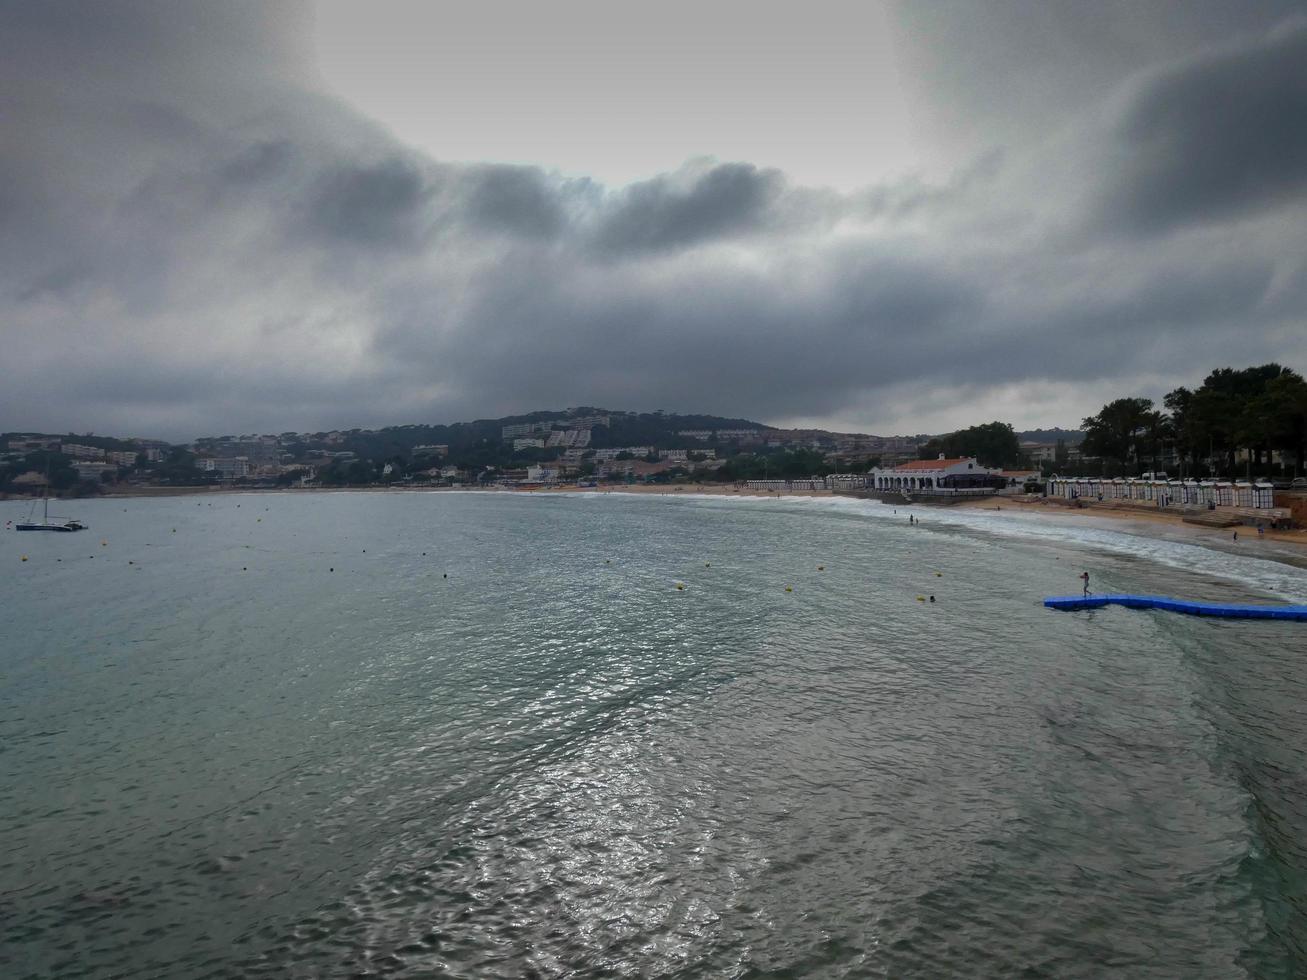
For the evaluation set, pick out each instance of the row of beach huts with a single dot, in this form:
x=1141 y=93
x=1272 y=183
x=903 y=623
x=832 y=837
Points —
x=1166 y=493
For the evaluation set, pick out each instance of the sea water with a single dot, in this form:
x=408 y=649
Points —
x=506 y=735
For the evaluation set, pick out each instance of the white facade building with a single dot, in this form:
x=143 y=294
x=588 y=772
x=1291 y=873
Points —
x=940 y=474
x=228 y=467
x=82 y=452
x=541 y=474
x=93 y=472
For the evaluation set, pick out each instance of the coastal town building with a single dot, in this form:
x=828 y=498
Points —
x=567 y=438
x=227 y=467
x=528 y=442
x=524 y=429
x=92 y=471
x=1039 y=452
x=615 y=469
x=76 y=451
x=638 y=452
x=33 y=445
x=541 y=474
x=432 y=450
x=961 y=473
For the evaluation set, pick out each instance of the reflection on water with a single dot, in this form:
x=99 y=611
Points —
x=281 y=742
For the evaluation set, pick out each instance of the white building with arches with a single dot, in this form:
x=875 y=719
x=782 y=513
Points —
x=942 y=474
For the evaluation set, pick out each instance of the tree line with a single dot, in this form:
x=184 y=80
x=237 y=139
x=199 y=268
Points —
x=1233 y=424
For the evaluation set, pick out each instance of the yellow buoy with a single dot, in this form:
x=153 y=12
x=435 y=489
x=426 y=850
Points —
x=921 y=598
x=939 y=575
x=821 y=568
x=104 y=544
x=24 y=558
x=789 y=588
x=680 y=586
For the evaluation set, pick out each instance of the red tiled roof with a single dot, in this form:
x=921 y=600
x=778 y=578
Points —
x=930 y=464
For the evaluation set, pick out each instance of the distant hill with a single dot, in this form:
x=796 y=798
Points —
x=658 y=429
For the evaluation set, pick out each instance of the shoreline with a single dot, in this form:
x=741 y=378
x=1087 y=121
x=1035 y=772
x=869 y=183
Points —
x=1287 y=546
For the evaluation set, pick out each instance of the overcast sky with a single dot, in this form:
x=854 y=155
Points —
x=233 y=217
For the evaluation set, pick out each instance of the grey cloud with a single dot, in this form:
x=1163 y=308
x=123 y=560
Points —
x=260 y=161
x=378 y=203
x=684 y=209
x=515 y=200
x=186 y=261
x=1217 y=136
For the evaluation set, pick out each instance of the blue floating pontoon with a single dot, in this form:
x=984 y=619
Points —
x=1177 y=605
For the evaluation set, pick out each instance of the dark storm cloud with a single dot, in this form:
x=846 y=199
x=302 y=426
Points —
x=1214 y=137
x=513 y=200
x=680 y=210
x=379 y=203
x=192 y=239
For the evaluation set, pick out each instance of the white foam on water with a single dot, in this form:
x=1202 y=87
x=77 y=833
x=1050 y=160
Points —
x=1276 y=578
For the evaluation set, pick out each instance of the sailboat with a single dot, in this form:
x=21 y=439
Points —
x=45 y=524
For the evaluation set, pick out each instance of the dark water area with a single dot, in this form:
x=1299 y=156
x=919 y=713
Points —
x=477 y=735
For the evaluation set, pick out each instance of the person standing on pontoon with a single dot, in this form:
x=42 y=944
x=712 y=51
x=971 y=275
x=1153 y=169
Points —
x=1084 y=577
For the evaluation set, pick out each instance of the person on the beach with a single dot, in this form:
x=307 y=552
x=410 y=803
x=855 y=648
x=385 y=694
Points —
x=1084 y=577
x=1236 y=536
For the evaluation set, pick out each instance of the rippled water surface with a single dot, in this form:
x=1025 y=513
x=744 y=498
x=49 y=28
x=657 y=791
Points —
x=482 y=735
